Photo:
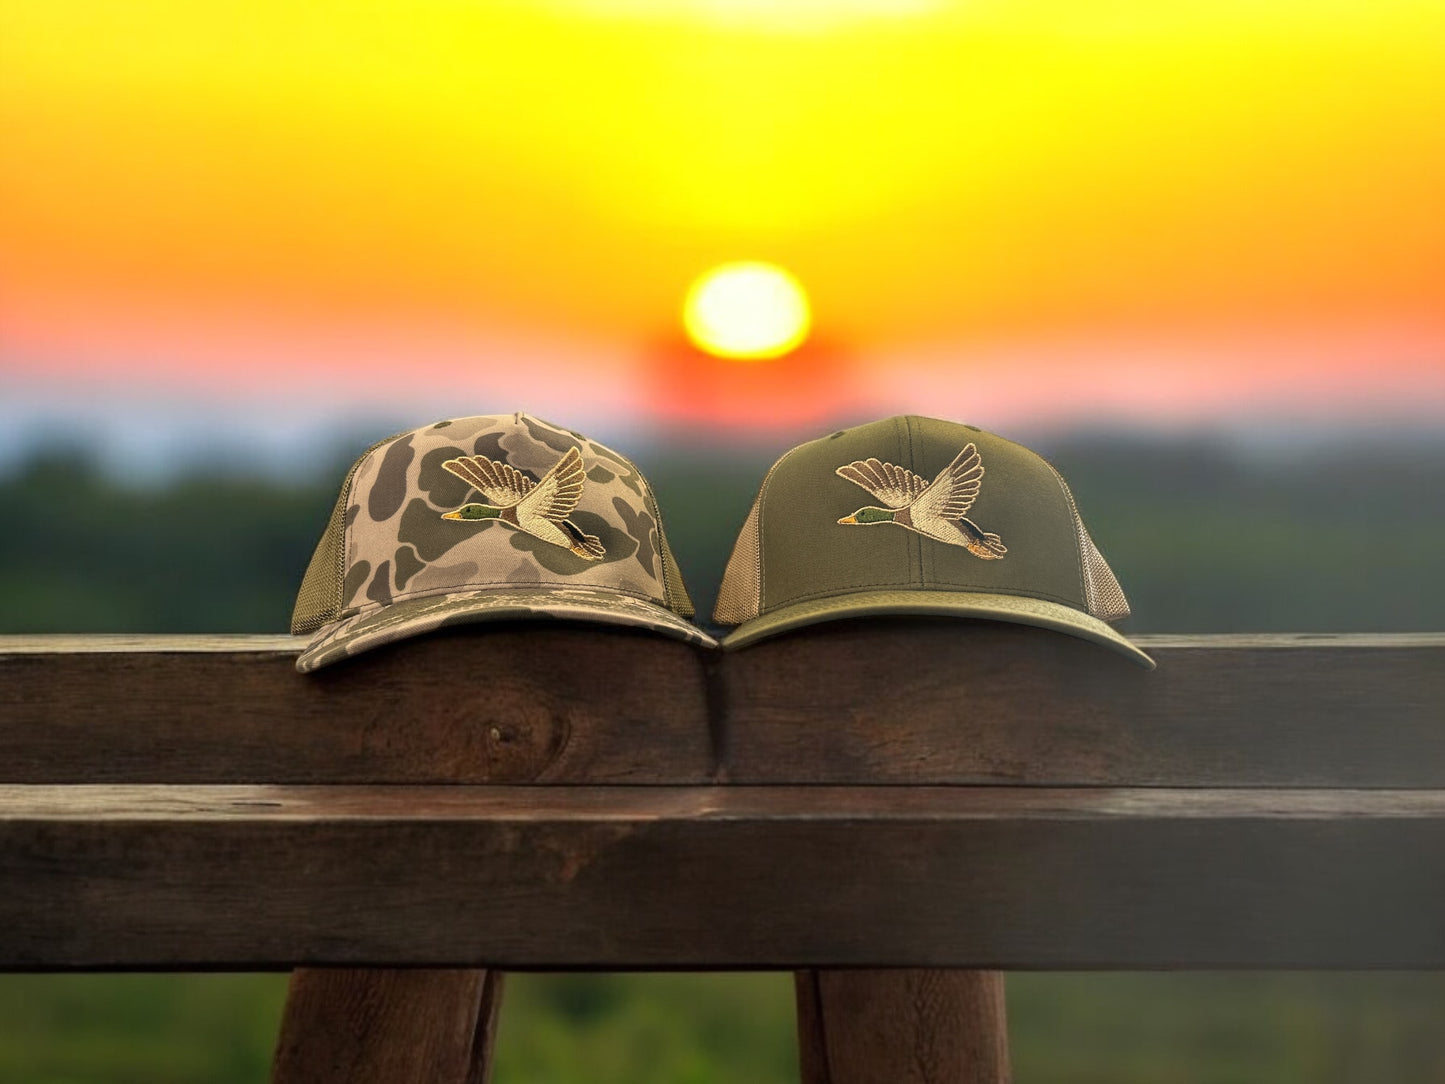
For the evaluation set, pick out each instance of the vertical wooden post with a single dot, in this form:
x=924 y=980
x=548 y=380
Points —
x=375 y=1026
x=902 y=1026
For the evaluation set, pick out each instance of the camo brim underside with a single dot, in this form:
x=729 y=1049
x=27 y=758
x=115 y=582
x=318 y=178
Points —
x=382 y=624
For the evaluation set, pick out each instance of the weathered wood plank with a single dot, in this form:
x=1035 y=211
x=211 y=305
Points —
x=535 y=703
x=974 y=702
x=372 y=1026
x=130 y=643
x=902 y=1026
x=622 y=877
x=903 y=701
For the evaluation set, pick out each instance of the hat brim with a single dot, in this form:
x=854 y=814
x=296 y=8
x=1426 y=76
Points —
x=387 y=623
x=1019 y=609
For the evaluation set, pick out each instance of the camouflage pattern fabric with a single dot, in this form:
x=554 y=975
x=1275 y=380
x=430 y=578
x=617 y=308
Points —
x=486 y=518
x=374 y=626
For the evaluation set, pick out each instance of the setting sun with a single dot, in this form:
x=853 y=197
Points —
x=750 y=311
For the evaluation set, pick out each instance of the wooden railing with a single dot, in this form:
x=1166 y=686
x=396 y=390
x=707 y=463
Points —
x=944 y=800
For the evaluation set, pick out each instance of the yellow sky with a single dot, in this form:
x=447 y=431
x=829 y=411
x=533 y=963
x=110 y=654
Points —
x=933 y=172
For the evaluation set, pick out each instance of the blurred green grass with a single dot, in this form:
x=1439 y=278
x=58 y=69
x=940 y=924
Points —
x=1203 y=538
x=156 y=1028
x=1080 y=1028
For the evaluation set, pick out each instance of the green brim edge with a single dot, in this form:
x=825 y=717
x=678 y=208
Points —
x=403 y=620
x=1019 y=609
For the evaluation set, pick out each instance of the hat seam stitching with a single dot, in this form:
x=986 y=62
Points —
x=346 y=526
x=344 y=500
x=337 y=635
x=453 y=589
x=650 y=502
x=359 y=618
x=372 y=611
x=915 y=540
x=1105 y=635
x=1073 y=609
x=762 y=511
x=1040 y=595
x=1084 y=591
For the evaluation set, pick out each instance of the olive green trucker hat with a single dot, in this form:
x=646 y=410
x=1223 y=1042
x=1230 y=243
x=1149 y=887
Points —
x=491 y=518
x=913 y=515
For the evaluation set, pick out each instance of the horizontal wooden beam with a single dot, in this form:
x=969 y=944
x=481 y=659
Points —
x=573 y=705
x=882 y=701
x=977 y=702
x=719 y=876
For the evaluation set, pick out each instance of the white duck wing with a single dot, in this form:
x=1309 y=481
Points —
x=894 y=487
x=952 y=493
x=553 y=499
x=499 y=483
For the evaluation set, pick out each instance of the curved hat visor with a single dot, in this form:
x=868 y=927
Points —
x=1019 y=609
x=386 y=623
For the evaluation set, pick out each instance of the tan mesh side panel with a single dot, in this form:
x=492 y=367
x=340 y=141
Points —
x=1103 y=597
x=319 y=599
x=1101 y=589
x=677 y=596
x=740 y=596
x=674 y=591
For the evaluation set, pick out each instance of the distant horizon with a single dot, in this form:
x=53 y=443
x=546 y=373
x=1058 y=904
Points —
x=157 y=436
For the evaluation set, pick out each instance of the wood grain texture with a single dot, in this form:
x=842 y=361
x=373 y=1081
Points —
x=902 y=1026
x=725 y=876
x=130 y=643
x=962 y=702
x=373 y=1026
x=523 y=704
x=877 y=701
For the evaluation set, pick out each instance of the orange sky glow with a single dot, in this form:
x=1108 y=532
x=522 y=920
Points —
x=1030 y=209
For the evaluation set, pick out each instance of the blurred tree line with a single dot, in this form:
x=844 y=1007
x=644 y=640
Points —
x=1205 y=538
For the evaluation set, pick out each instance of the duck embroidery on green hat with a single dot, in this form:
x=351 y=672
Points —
x=539 y=508
x=936 y=509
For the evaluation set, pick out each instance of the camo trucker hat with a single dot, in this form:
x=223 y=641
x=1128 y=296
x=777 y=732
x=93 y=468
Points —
x=913 y=515
x=489 y=518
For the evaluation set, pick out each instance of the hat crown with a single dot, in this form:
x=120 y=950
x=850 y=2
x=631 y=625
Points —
x=436 y=510
x=914 y=503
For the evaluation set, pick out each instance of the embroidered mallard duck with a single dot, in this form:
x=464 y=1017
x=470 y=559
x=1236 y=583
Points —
x=936 y=509
x=539 y=508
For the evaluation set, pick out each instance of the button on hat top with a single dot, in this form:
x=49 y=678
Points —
x=958 y=522
x=487 y=518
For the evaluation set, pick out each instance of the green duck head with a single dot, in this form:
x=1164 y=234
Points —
x=473 y=511
x=869 y=514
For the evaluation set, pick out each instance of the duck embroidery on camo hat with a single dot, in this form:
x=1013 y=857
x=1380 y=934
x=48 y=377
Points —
x=913 y=515
x=489 y=518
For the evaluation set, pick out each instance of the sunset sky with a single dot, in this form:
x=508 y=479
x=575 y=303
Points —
x=1003 y=211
